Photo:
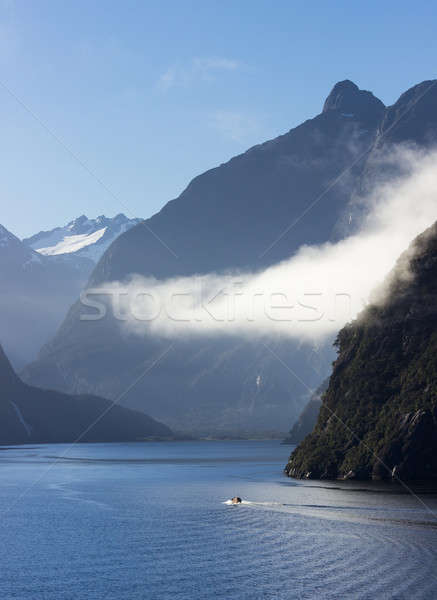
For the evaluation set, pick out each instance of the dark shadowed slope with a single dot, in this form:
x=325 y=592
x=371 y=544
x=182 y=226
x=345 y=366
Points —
x=379 y=415
x=29 y=414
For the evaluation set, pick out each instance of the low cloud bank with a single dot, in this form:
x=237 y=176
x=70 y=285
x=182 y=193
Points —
x=309 y=296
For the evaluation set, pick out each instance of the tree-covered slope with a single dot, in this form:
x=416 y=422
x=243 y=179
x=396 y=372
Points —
x=379 y=415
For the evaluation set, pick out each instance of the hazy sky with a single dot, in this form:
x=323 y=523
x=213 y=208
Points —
x=142 y=96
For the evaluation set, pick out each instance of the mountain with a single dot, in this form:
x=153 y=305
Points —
x=35 y=293
x=83 y=237
x=249 y=213
x=42 y=276
x=228 y=217
x=29 y=415
x=379 y=415
x=307 y=418
x=413 y=118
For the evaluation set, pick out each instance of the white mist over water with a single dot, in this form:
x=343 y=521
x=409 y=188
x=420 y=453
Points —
x=309 y=296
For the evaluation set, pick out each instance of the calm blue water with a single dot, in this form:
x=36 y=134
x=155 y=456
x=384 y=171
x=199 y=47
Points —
x=134 y=521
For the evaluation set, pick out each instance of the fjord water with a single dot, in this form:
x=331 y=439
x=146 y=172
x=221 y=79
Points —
x=148 y=520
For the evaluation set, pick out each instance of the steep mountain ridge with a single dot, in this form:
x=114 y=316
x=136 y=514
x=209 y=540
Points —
x=379 y=415
x=29 y=415
x=43 y=275
x=412 y=118
x=237 y=210
x=35 y=293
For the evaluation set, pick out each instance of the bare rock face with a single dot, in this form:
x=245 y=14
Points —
x=347 y=98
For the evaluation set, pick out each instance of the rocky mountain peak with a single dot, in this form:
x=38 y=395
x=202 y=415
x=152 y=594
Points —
x=13 y=253
x=7 y=238
x=413 y=117
x=338 y=93
x=347 y=98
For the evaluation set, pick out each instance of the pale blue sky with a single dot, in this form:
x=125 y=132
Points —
x=149 y=94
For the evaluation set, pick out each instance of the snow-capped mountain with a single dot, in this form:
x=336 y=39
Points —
x=35 y=294
x=83 y=237
x=41 y=276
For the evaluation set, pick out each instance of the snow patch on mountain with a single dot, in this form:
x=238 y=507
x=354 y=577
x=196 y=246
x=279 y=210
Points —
x=82 y=237
x=72 y=243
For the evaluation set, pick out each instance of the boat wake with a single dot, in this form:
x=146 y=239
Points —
x=248 y=503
